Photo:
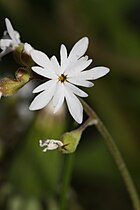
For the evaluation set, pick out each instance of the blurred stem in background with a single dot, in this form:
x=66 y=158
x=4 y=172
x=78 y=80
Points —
x=116 y=155
x=68 y=168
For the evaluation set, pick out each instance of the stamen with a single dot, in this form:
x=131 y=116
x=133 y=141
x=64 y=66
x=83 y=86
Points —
x=62 y=78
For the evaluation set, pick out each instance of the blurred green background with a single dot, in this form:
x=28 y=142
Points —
x=30 y=179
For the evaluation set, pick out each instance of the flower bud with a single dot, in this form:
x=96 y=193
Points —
x=22 y=55
x=17 y=53
x=70 y=141
x=26 y=58
x=22 y=75
x=10 y=86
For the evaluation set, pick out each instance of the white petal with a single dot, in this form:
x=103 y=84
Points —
x=58 y=98
x=44 y=86
x=55 y=61
x=5 y=43
x=28 y=48
x=41 y=59
x=63 y=56
x=80 y=82
x=56 y=65
x=75 y=90
x=94 y=73
x=44 y=72
x=9 y=28
x=79 y=49
x=74 y=106
x=14 y=35
x=79 y=66
x=17 y=37
x=43 y=98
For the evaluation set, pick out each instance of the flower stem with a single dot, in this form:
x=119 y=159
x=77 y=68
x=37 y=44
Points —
x=116 y=155
x=66 y=181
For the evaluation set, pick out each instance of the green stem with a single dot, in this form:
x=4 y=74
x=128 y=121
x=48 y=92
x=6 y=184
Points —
x=66 y=181
x=116 y=155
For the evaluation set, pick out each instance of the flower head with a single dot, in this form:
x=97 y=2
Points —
x=64 y=78
x=10 y=40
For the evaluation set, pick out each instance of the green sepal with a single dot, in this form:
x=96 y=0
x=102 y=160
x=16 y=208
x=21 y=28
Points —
x=70 y=141
x=9 y=86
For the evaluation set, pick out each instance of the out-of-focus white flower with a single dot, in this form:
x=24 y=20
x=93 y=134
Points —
x=10 y=40
x=63 y=77
x=50 y=144
x=0 y=95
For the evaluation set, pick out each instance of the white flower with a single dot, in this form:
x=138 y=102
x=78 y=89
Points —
x=10 y=40
x=50 y=144
x=63 y=77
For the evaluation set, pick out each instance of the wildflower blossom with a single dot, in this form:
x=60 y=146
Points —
x=50 y=144
x=64 y=77
x=10 y=40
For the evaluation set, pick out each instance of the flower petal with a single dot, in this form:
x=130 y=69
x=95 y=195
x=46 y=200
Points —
x=75 y=90
x=78 y=66
x=41 y=58
x=5 y=43
x=44 y=72
x=28 y=48
x=94 y=73
x=14 y=35
x=58 y=98
x=17 y=37
x=9 y=28
x=43 y=98
x=74 y=106
x=56 y=65
x=79 y=49
x=80 y=82
x=63 y=56
x=44 y=86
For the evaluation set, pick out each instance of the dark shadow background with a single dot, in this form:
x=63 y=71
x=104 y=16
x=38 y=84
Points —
x=30 y=179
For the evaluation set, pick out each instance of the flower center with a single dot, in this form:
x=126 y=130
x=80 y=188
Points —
x=62 y=78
